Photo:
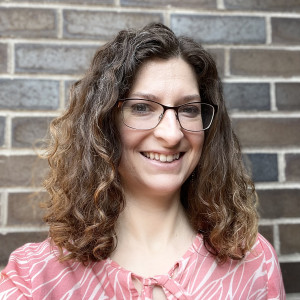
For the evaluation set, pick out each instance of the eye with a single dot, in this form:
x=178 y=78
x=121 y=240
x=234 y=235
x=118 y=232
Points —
x=140 y=107
x=190 y=110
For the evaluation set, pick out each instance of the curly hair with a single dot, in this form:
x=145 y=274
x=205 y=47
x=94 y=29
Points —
x=84 y=151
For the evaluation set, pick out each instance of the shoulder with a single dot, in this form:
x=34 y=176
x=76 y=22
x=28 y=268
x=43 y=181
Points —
x=15 y=278
x=268 y=263
x=32 y=253
x=263 y=245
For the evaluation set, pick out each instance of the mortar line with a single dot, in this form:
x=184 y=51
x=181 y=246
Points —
x=268 y=31
x=11 y=57
x=138 y=9
x=279 y=221
x=8 y=130
x=96 y=42
x=220 y=4
x=226 y=62
x=281 y=167
x=276 y=239
x=59 y=24
x=62 y=100
x=4 y=208
x=273 y=97
x=167 y=18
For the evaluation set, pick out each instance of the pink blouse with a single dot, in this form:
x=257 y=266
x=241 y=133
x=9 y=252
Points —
x=33 y=272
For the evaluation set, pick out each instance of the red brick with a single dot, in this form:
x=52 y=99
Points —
x=2 y=130
x=218 y=55
x=27 y=22
x=292 y=169
x=24 y=209
x=23 y=170
x=260 y=62
x=285 y=31
x=279 y=203
x=3 y=58
x=289 y=238
x=268 y=132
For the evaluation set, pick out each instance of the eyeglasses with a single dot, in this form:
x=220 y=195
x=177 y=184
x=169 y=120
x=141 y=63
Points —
x=146 y=114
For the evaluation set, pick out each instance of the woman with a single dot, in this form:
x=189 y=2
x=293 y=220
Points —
x=149 y=198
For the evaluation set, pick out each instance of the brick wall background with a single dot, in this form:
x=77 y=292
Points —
x=45 y=45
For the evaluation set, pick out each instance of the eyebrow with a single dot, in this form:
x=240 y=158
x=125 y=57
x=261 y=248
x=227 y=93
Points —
x=148 y=96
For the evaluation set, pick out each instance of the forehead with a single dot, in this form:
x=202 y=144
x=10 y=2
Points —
x=165 y=78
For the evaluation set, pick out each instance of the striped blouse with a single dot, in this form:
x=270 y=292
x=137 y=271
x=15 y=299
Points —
x=33 y=272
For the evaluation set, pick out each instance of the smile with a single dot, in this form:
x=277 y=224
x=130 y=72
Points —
x=161 y=157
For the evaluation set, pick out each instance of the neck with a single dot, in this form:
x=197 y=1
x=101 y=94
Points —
x=151 y=221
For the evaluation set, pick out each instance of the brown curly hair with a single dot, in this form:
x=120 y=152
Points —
x=84 y=152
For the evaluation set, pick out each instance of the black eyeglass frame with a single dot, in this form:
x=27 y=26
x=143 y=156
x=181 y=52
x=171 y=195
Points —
x=166 y=107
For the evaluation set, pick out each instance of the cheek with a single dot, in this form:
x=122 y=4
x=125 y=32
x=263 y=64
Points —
x=198 y=141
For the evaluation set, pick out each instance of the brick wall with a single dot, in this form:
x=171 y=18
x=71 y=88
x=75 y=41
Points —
x=47 y=44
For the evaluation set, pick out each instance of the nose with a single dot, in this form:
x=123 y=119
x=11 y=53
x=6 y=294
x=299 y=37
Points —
x=169 y=129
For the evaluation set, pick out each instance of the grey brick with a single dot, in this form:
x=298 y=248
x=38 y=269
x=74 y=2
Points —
x=196 y=4
x=267 y=132
x=23 y=170
x=218 y=55
x=291 y=275
x=82 y=2
x=24 y=209
x=263 y=166
x=3 y=58
x=27 y=22
x=287 y=96
x=29 y=132
x=14 y=240
x=53 y=59
x=285 y=31
x=2 y=130
x=68 y=85
x=267 y=232
x=279 y=203
x=292 y=169
x=220 y=29
x=23 y=94
x=247 y=96
x=103 y=25
x=269 y=5
x=260 y=62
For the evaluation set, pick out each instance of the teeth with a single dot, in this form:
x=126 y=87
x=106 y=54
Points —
x=162 y=157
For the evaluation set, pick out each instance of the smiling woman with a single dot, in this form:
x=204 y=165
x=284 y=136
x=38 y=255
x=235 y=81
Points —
x=149 y=198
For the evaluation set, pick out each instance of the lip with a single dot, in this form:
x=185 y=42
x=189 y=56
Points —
x=165 y=165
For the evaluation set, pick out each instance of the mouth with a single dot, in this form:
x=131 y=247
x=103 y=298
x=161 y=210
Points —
x=162 y=157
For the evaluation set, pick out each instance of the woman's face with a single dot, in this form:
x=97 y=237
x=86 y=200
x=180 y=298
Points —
x=170 y=82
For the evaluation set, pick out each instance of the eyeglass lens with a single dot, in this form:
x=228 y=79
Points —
x=145 y=114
